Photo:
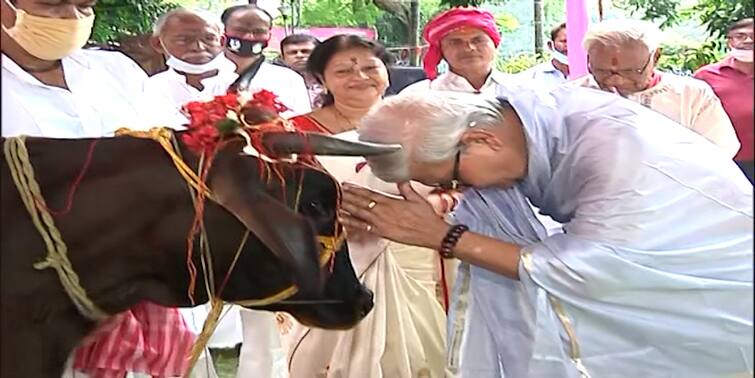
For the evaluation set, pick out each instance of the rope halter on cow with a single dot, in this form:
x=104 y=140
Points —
x=328 y=244
x=22 y=172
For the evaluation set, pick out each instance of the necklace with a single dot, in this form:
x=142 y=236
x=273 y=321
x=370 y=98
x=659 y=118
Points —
x=348 y=121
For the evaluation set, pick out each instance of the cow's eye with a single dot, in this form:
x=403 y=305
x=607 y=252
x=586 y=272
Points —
x=314 y=205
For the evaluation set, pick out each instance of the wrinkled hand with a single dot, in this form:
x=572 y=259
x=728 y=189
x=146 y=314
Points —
x=409 y=220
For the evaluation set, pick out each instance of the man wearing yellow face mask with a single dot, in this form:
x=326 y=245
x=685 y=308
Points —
x=52 y=88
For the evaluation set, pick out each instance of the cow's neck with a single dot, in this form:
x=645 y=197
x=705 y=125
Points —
x=129 y=255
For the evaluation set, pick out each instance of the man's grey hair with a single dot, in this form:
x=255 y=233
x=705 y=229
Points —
x=212 y=21
x=428 y=125
x=623 y=32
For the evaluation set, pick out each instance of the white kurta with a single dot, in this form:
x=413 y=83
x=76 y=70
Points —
x=653 y=274
x=287 y=84
x=106 y=92
x=689 y=102
x=450 y=81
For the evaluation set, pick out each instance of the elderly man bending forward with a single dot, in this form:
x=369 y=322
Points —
x=653 y=274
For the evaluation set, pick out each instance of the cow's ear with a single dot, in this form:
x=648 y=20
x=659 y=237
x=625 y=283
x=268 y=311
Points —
x=285 y=143
x=236 y=186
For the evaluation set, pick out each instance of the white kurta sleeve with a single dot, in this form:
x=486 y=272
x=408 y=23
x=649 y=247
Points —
x=298 y=96
x=714 y=124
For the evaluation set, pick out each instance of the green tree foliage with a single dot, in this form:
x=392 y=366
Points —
x=339 y=13
x=118 y=18
x=686 y=59
x=518 y=63
x=715 y=15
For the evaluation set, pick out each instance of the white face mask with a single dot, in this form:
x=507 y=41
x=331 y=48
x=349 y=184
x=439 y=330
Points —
x=741 y=55
x=195 y=69
x=558 y=55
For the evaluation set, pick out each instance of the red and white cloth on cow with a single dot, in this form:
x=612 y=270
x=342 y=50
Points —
x=149 y=339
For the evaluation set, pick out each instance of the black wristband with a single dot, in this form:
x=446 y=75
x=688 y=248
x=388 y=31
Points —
x=449 y=241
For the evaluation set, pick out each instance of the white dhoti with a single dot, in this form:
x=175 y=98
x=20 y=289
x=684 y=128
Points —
x=261 y=352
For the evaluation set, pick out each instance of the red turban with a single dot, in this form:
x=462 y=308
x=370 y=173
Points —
x=449 y=21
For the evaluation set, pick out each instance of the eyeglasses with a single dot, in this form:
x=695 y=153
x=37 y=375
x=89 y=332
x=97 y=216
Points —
x=630 y=73
x=455 y=182
x=741 y=37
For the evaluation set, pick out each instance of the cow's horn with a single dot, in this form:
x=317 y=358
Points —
x=285 y=143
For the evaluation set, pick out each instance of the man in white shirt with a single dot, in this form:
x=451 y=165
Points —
x=622 y=55
x=192 y=43
x=294 y=53
x=467 y=39
x=555 y=71
x=71 y=94
x=247 y=32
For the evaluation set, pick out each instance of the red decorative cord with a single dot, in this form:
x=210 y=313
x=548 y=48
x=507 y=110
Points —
x=74 y=185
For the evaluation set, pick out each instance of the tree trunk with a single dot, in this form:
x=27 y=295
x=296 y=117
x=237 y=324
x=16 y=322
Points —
x=398 y=9
x=538 y=4
x=414 y=32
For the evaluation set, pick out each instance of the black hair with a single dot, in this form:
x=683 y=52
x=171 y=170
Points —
x=295 y=39
x=323 y=53
x=236 y=8
x=743 y=23
x=557 y=29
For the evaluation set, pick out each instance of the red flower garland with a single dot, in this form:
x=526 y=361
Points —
x=209 y=121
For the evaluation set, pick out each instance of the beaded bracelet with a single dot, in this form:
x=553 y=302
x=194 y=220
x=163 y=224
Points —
x=450 y=240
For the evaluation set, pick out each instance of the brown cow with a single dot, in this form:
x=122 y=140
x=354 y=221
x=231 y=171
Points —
x=126 y=236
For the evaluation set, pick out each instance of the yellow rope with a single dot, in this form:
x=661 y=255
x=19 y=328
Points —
x=208 y=328
x=22 y=172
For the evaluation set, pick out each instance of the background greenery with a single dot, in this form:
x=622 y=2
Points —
x=696 y=28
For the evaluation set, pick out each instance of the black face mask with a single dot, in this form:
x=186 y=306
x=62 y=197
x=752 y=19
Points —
x=246 y=48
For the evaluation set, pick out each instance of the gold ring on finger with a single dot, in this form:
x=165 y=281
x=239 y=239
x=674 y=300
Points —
x=371 y=205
